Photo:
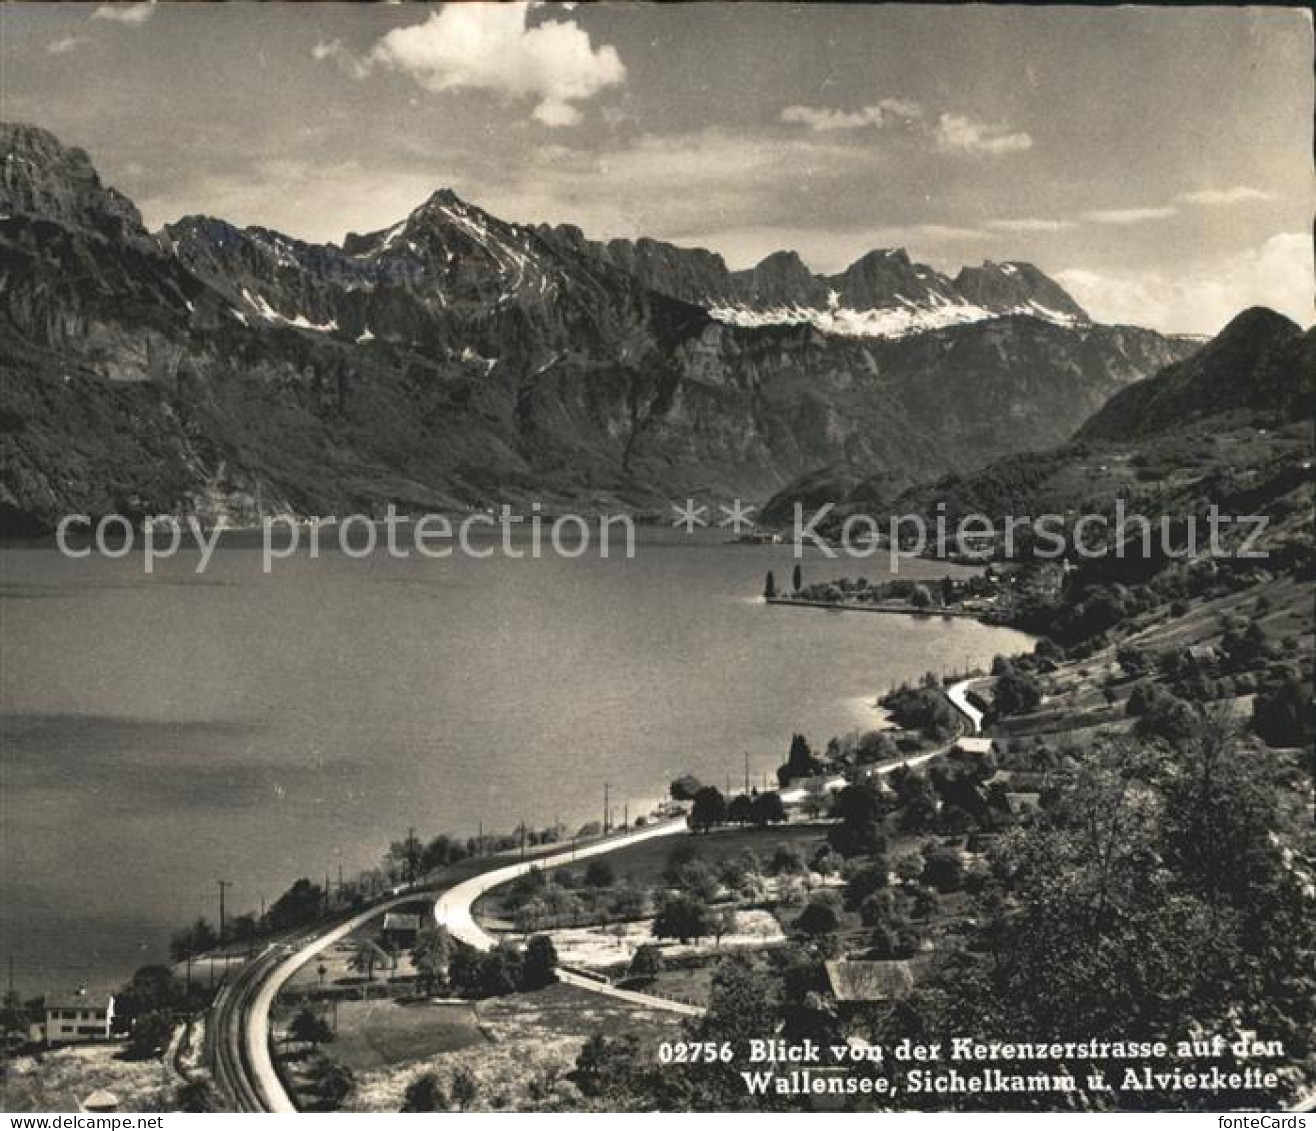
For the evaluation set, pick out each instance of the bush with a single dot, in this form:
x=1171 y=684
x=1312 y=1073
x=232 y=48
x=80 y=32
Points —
x=646 y=962
x=943 y=869
x=540 y=966
x=682 y=917
x=424 y=1093
x=818 y=918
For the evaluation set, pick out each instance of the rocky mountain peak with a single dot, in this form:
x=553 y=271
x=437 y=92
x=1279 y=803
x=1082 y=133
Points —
x=42 y=177
x=1017 y=287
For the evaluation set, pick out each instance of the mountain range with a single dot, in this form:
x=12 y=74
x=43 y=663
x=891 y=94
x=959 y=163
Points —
x=1230 y=426
x=457 y=360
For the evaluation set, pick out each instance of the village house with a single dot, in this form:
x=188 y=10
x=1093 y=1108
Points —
x=400 y=929
x=78 y=1017
x=855 y=981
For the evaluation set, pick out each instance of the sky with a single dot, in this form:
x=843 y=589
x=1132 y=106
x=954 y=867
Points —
x=1157 y=162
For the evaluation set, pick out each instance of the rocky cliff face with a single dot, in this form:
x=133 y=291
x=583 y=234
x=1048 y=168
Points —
x=459 y=360
x=883 y=294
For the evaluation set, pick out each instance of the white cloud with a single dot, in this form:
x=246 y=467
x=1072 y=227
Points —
x=1030 y=224
x=1125 y=216
x=1278 y=274
x=491 y=47
x=126 y=13
x=1239 y=194
x=63 y=45
x=824 y=120
x=956 y=133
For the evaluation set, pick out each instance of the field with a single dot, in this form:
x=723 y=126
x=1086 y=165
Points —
x=61 y=1080
x=379 y=1034
x=532 y=1042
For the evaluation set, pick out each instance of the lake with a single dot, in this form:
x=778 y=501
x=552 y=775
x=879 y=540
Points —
x=164 y=732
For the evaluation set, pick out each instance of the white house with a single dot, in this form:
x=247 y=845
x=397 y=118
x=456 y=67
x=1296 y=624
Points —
x=77 y=1017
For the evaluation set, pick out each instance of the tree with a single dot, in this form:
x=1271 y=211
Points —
x=767 y=809
x=865 y=881
x=800 y=762
x=723 y=922
x=1167 y=717
x=646 y=962
x=818 y=918
x=151 y=989
x=909 y=868
x=709 y=809
x=740 y=810
x=336 y=1082
x=1282 y=713
x=859 y=833
x=606 y=1066
x=191 y=941
x=629 y=901
x=310 y=1029
x=431 y=955
x=685 y=787
x=14 y=1016
x=698 y=879
x=424 y=1093
x=876 y=908
x=600 y=874
x=540 y=966
x=797 y=578
x=920 y=597
x=786 y=859
x=441 y=852
x=364 y=956
x=198 y=1096
x=769 y=587
x=465 y=1088
x=742 y=1005
x=404 y=858
x=244 y=928
x=1016 y=692
x=531 y=916
x=683 y=917
x=493 y=974
x=915 y=798
x=150 y=1035
x=943 y=868
x=299 y=905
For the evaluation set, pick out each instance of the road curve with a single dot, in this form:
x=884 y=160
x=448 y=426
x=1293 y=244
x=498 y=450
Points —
x=453 y=908
x=261 y=1075
x=243 y=1058
x=958 y=694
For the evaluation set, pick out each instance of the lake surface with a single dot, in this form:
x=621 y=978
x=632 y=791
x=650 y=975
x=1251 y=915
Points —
x=164 y=732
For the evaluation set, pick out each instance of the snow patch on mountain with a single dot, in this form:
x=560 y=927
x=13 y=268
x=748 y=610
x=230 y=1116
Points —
x=900 y=321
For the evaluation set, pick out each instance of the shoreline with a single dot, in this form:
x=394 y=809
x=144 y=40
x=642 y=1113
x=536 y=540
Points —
x=853 y=606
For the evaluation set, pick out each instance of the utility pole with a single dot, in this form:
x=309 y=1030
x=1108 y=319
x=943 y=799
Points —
x=607 y=811
x=479 y=839
x=224 y=885
x=626 y=816
x=747 y=772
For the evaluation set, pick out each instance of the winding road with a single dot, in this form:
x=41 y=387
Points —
x=239 y=1031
